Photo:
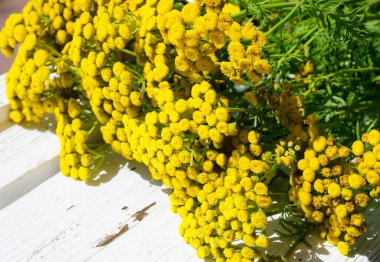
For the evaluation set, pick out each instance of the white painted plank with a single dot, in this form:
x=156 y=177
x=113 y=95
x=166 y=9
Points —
x=67 y=219
x=21 y=157
x=28 y=156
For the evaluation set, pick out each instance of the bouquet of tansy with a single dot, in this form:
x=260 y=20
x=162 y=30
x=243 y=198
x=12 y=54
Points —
x=220 y=99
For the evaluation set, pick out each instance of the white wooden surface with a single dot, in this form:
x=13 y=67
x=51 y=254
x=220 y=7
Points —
x=45 y=216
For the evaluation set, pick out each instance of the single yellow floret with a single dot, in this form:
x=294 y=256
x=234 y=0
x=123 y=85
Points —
x=334 y=190
x=374 y=137
x=355 y=181
x=343 y=248
x=358 y=148
x=341 y=211
x=308 y=174
x=319 y=144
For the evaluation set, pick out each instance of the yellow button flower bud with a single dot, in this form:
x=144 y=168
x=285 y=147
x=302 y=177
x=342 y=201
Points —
x=355 y=181
x=334 y=190
x=343 y=248
x=262 y=241
x=319 y=144
x=374 y=137
x=258 y=219
x=358 y=148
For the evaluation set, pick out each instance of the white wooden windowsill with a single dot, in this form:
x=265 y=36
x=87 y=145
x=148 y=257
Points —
x=45 y=216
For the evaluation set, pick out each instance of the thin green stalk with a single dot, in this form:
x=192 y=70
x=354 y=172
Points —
x=42 y=44
x=234 y=110
x=282 y=55
x=368 y=5
x=351 y=70
x=283 y=21
x=239 y=14
x=129 y=52
x=278 y=5
x=93 y=128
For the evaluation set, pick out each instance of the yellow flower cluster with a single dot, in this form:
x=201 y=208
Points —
x=157 y=82
x=334 y=183
x=29 y=94
x=43 y=29
x=81 y=148
x=197 y=35
x=131 y=74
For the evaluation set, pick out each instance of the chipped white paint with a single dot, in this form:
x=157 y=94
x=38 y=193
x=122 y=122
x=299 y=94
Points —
x=45 y=216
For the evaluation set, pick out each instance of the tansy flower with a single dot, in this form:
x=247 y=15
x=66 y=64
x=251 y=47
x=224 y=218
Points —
x=323 y=159
x=308 y=174
x=210 y=20
x=374 y=137
x=344 y=152
x=164 y=6
x=203 y=251
x=40 y=57
x=253 y=137
x=222 y=114
x=334 y=190
x=343 y=247
x=369 y=159
x=262 y=241
x=234 y=32
x=248 y=31
x=355 y=181
x=372 y=177
x=303 y=164
x=358 y=148
x=181 y=106
x=190 y=12
x=258 y=219
x=260 y=189
x=176 y=142
x=319 y=144
x=318 y=186
x=314 y=164
x=357 y=219
x=341 y=211
x=262 y=67
x=361 y=199
x=305 y=198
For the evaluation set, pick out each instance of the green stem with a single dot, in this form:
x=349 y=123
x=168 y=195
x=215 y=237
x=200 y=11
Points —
x=351 y=70
x=128 y=52
x=135 y=73
x=282 y=55
x=283 y=21
x=277 y=5
x=234 y=109
x=93 y=128
x=367 y=5
x=43 y=45
x=239 y=14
